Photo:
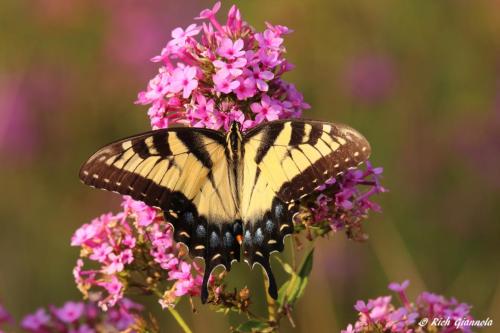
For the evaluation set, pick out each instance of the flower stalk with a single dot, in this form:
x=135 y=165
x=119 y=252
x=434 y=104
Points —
x=182 y=323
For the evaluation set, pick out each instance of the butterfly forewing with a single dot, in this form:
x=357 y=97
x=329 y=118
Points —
x=297 y=156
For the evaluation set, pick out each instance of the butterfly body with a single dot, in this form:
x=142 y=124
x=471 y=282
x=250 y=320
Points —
x=227 y=191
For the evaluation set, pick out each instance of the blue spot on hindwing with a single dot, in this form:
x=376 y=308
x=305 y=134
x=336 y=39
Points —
x=259 y=236
x=278 y=210
x=269 y=226
x=214 y=239
x=189 y=218
x=248 y=238
x=200 y=231
x=228 y=239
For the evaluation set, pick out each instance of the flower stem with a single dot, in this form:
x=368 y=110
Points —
x=180 y=320
x=271 y=303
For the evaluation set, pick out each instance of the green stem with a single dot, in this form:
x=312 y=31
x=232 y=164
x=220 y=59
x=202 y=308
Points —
x=174 y=313
x=271 y=303
x=293 y=247
x=180 y=320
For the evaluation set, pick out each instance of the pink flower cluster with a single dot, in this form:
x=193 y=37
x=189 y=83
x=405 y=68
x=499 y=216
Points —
x=345 y=201
x=215 y=73
x=84 y=317
x=381 y=315
x=121 y=243
x=5 y=317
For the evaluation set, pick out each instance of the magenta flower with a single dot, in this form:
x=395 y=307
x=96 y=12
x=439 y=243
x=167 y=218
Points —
x=209 y=13
x=234 y=21
x=180 y=35
x=269 y=39
x=70 y=311
x=225 y=83
x=233 y=68
x=184 y=79
x=233 y=63
x=399 y=287
x=35 y=322
x=381 y=315
x=80 y=317
x=246 y=89
x=362 y=307
x=4 y=315
x=231 y=50
x=266 y=109
x=261 y=77
x=144 y=214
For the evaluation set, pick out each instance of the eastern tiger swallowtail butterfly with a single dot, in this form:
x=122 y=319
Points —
x=222 y=191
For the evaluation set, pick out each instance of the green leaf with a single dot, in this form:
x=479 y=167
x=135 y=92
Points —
x=252 y=326
x=294 y=288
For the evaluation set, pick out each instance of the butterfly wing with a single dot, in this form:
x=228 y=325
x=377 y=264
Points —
x=283 y=162
x=185 y=172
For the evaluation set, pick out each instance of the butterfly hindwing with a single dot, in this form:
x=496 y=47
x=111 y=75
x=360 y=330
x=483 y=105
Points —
x=185 y=172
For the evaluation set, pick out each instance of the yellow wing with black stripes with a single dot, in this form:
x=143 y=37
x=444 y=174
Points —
x=283 y=162
x=215 y=196
x=185 y=172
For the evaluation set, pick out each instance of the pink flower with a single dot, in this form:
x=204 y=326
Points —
x=269 y=40
x=234 y=21
x=185 y=282
x=114 y=265
x=101 y=252
x=202 y=113
x=184 y=78
x=279 y=29
x=399 y=287
x=269 y=58
x=246 y=89
x=209 y=13
x=234 y=115
x=179 y=35
x=349 y=329
x=266 y=109
x=158 y=87
x=230 y=68
x=115 y=289
x=231 y=50
x=126 y=257
x=144 y=214
x=83 y=234
x=5 y=317
x=225 y=83
x=246 y=62
x=261 y=77
x=70 y=311
x=35 y=321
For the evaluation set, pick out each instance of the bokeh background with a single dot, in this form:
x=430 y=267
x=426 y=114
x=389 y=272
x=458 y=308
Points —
x=420 y=78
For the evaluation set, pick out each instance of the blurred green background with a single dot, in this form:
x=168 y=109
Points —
x=421 y=79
